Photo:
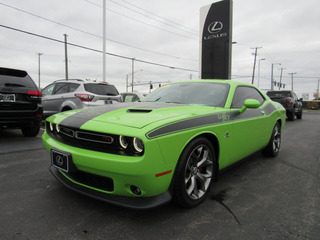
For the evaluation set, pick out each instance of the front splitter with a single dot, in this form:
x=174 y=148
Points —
x=136 y=203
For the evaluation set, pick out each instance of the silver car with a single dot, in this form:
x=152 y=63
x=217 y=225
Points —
x=132 y=96
x=64 y=95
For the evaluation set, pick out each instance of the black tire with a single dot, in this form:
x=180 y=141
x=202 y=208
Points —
x=194 y=173
x=291 y=115
x=299 y=115
x=31 y=131
x=273 y=147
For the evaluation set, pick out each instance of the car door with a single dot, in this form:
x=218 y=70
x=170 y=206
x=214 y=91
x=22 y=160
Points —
x=250 y=132
x=47 y=93
x=53 y=96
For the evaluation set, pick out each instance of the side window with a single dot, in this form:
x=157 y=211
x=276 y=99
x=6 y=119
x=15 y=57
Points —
x=61 y=88
x=73 y=87
x=242 y=93
x=295 y=96
x=48 y=90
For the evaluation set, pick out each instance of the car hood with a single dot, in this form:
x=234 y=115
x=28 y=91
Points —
x=136 y=115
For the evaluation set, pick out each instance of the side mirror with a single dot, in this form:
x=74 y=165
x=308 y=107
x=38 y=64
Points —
x=249 y=103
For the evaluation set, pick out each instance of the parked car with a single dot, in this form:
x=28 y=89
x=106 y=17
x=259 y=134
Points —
x=20 y=102
x=169 y=146
x=290 y=101
x=132 y=96
x=64 y=95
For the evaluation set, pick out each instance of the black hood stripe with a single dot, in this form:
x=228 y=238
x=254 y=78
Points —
x=78 y=119
x=211 y=119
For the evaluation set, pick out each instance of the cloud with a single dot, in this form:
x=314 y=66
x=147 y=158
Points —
x=287 y=31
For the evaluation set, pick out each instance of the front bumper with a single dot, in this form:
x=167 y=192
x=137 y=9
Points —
x=137 y=203
x=111 y=177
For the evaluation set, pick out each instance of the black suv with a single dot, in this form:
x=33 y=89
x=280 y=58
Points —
x=20 y=102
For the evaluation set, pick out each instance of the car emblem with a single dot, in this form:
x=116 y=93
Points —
x=215 y=27
x=59 y=160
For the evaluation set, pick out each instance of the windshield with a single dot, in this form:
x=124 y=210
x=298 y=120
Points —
x=197 y=93
x=101 y=89
x=279 y=94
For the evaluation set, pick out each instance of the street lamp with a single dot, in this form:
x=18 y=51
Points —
x=39 y=54
x=262 y=59
x=128 y=77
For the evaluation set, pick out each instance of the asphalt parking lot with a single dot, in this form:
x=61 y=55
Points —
x=260 y=198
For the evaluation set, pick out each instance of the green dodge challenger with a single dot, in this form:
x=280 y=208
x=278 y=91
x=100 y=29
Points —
x=170 y=146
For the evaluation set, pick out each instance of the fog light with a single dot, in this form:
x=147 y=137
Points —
x=135 y=190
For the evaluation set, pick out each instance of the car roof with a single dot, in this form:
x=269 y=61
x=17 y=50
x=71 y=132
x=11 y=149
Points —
x=12 y=72
x=79 y=80
x=225 y=81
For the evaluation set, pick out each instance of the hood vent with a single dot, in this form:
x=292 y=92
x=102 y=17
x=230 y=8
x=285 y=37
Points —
x=139 y=110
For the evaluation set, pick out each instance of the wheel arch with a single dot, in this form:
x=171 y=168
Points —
x=213 y=139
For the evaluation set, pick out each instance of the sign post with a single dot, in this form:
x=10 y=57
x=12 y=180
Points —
x=216 y=40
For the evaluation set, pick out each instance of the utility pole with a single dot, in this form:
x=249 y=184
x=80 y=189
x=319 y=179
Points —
x=292 y=80
x=66 y=54
x=272 y=74
x=281 y=78
x=132 y=74
x=318 y=90
x=254 y=63
x=104 y=42
x=39 y=54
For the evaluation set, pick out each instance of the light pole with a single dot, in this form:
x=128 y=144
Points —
x=104 y=42
x=272 y=73
x=127 y=77
x=292 y=80
x=39 y=54
x=66 y=55
x=262 y=59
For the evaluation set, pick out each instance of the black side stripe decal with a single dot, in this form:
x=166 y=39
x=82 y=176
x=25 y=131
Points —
x=211 y=119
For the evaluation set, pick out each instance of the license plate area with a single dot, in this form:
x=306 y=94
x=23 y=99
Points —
x=7 y=97
x=61 y=160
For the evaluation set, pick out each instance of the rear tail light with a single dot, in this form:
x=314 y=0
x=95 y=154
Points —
x=85 y=97
x=35 y=93
x=288 y=102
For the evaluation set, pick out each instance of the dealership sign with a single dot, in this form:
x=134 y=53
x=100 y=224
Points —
x=216 y=40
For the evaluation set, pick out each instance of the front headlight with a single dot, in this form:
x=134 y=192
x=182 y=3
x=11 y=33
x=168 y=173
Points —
x=57 y=128
x=138 y=145
x=51 y=126
x=123 y=142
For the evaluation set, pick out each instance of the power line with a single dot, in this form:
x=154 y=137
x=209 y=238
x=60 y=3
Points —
x=91 y=34
x=95 y=50
x=170 y=25
x=150 y=25
x=159 y=16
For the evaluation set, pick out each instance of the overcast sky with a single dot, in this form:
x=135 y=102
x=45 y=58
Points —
x=162 y=32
